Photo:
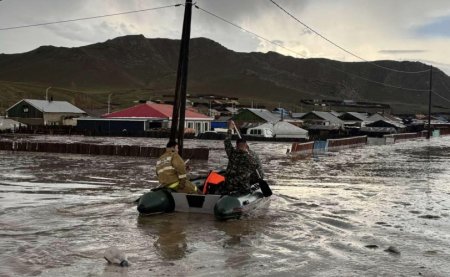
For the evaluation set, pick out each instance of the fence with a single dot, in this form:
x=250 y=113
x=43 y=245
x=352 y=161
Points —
x=99 y=149
x=305 y=148
x=342 y=143
x=404 y=136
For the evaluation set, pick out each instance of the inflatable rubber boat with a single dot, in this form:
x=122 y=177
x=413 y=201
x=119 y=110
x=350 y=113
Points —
x=233 y=206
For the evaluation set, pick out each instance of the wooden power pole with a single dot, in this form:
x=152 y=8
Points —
x=179 y=103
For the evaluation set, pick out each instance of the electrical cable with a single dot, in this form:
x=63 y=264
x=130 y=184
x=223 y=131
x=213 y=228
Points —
x=250 y=32
x=448 y=90
x=86 y=18
x=292 y=51
x=342 y=48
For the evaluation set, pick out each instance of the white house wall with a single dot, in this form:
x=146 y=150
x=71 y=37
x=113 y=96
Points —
x=199 y=126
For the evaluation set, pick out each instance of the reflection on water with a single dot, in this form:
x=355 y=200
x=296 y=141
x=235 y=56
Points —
x=170 y=236
x=333 y=214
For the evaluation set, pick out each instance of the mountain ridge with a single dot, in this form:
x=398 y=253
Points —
x=137 y=63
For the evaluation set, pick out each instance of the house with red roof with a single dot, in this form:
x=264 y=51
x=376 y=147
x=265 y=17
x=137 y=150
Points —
x=138 y=119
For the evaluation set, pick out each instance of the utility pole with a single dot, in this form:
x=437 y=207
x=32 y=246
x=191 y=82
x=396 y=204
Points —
x=179 y=106
x=429 y=102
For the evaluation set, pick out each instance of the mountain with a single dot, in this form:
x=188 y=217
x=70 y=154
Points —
x=134 y=67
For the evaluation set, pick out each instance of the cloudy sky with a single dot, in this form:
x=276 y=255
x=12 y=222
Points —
x=413 y=30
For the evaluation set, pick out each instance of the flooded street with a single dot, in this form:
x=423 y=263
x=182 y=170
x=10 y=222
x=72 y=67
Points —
x=333 y=214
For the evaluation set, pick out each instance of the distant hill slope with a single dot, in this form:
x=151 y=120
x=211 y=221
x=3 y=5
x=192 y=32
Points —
x=134 y=67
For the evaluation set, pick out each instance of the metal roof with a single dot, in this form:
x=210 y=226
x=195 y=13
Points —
x=326 y=116
x=297 y=115
x=388 y=122
x=360 y=116
x=222 y=119
x=53 y=106
x=336 y=113
x=265 y=114
x=283 y=129
x=154 y=110
x=386 y=117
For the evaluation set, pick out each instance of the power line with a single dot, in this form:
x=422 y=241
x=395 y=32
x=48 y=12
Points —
x=448 y=90
x=446 y=99
x=250 y=32
x=87 y=18
x=342 y=48
x=295 y=52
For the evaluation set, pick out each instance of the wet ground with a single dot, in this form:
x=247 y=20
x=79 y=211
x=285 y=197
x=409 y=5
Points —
x=333 y=214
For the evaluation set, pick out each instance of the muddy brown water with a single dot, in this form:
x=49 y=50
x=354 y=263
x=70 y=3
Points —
x=332 y=214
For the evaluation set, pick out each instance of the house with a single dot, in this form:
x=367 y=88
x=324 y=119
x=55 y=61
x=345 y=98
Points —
x=354 y=119
x=322 y=120
x=220 y=124
x=249 y=117
x=44 y=112
x=353 y=116
x=281 y=111
x=383 y=126
x=280 y=129
x=322 y=124
x=139 y=119
x=232 y=110
x=388 y=117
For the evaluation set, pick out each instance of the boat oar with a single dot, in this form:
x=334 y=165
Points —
x=263 y=185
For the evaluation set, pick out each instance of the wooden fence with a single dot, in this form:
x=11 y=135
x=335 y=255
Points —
x=341 y=143
x=305 y=148
x=99 y=149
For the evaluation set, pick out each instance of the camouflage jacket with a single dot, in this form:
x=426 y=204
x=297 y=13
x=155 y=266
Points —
x=241 y=165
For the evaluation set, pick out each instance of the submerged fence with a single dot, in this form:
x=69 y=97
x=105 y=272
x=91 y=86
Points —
x=302 y=148
x=342 y=143
x=99 y=149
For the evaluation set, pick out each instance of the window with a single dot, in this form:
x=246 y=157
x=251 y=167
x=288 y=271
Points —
x=25 y=108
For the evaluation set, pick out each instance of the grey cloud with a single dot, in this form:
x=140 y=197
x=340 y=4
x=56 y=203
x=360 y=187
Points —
x=396 y=51
x=252 y=10
x=73 y=32
x=89 y=33
x=279 y=42
x=29 y=12
x=306 y=31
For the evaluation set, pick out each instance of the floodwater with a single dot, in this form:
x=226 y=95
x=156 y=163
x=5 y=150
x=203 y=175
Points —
x=334 y=214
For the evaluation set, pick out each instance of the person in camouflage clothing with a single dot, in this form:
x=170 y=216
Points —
x=241 y=165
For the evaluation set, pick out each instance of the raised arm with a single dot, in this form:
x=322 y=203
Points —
x=228 y=146
x=227 y=142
